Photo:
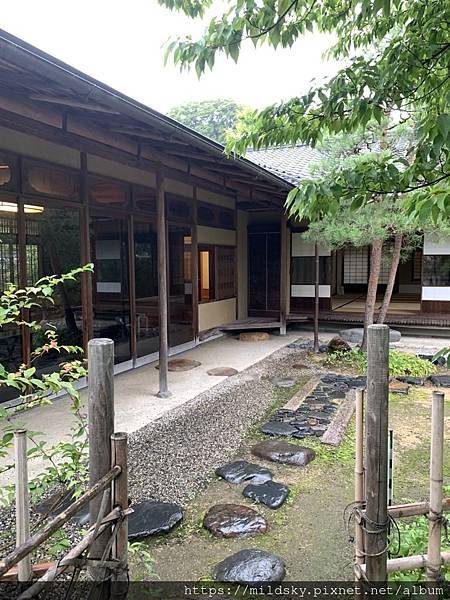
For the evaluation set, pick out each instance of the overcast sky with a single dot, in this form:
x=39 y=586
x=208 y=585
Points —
x=120 y=43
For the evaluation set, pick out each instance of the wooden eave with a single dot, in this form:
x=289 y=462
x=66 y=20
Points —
x=42 y=96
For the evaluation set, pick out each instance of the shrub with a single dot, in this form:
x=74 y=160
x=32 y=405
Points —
x=400 y=363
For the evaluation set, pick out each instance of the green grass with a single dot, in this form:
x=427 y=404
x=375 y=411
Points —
x=400 y=363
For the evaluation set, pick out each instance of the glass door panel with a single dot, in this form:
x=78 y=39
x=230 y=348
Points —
x=111 y=302
x=146 y=269
x=53 y=248
x=180 y=285
x=273 y=271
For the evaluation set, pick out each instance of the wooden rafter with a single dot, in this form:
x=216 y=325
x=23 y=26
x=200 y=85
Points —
x=73 y=103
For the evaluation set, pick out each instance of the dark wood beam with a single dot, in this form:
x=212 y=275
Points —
x=73 y=104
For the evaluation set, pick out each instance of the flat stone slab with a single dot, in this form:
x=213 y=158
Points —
x=241 y=470
x=284 y=382
x=355 y=335
x=399 y=387
x=277 y=428
x=54 y=505
x=271 y=493
x=234 y=520
x=284 y=453
x=250 y=566
x=182 y=364
x=152 y=518
x=440 y=380
x=411 y=380
x=300 y=366
x=222 y=372
x=254 y=336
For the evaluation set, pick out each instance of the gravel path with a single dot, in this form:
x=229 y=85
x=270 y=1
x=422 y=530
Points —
x=173 y=458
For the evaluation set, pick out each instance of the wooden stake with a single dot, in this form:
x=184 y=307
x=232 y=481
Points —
x=24 y=570
x=316 y=296
x=101 y=427
x=162 y=288
x=359 y=474
x=408 y=563
x=436 y=481
x=119 y=453
x=376 y=452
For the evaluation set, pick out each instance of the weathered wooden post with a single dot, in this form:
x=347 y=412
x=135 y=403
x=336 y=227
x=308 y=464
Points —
x=119 y=456
x=436 y=480
x=24 y=570
x=376 y=446
x=359 y=475
x=316 y=295
x=283 y=274
x=101 y=427
x=163 y=306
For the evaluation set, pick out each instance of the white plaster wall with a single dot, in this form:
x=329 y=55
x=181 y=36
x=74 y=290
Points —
x=214 y=198
x=214 y=235
x=436 y=245
x=436 y=293
x=307 y=291
x=302 y=248
x=109 y=168
x=213 y=314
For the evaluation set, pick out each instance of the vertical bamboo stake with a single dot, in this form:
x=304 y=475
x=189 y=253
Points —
x=436 y=481
x=359 y=475
x=119 y=456
x=101 y=427
x=376 y=452
x=24 y=570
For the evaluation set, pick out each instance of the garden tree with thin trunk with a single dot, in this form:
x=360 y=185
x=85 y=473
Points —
x=396 y=55
x=212 y=118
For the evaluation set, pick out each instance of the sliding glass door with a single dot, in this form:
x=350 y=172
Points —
x=180 y=285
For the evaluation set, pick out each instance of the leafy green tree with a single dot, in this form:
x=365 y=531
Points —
x=396 y=55
x=212 y=118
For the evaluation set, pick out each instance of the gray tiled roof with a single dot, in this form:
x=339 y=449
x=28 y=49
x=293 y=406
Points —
x=292 y=163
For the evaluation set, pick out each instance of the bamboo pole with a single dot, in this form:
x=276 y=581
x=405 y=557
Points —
x=119 y=452
x=409 y=563
x=24 y=569
x=52 y=526
x=414 y=510
x=376 y=452
x=101 y=426
x=359 y=474
x=436 y=481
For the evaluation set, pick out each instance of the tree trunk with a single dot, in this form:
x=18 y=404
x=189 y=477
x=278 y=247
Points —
x=375 y=266
x=392 y=274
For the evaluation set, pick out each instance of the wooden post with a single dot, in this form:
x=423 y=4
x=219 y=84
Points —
x=195 y=275
x=316 y=296
x=119 y=456
x=24 y=570
x=162 y=288
x=283 y=275
x=436 y=481
x=359 y=474
x=101 y=427
x=376 y=452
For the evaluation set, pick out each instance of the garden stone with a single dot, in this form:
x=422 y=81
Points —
x=182 y=364
x=241 y=470
x=277 y=429
x=54 y=506
x=271 y=493
x=222 y=372
x=411 y=380
x=284 y=382
x=152 y=518
x=250 y=566
x=398 y=387
x=234 y=520
x=254 y=336
x=441 y=360
x=300 y=366
x=284 y=453
x=337 y=344
x=355 y=335
x=440 y=380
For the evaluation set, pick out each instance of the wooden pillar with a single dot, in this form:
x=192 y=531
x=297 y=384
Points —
x=283 y=274
x=377 y=452
x=359 y=474
x=86 y=278
x=162 y=288
x=119 y=457
x=434 y=560
x=24 y=569
x=316 y=295
x=195 y=281
x=132 y=286
x=101 y=427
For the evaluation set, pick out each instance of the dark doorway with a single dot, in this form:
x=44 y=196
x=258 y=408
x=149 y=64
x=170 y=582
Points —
x=264 y=251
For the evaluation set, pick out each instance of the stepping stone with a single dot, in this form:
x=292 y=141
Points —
x=337 y=344
x=440 y=380
x=234 y=520
x=152 y=518
x=277 y=428
x=355 y=335
x=398 y=387
x=299 y=366
x=283 y=382
x=222 y=372
x=250 y=566
x=54 y=505
x=284 y=453
x=254 y=336
x=182 y=364
x=271 y=493
x=241 y=470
